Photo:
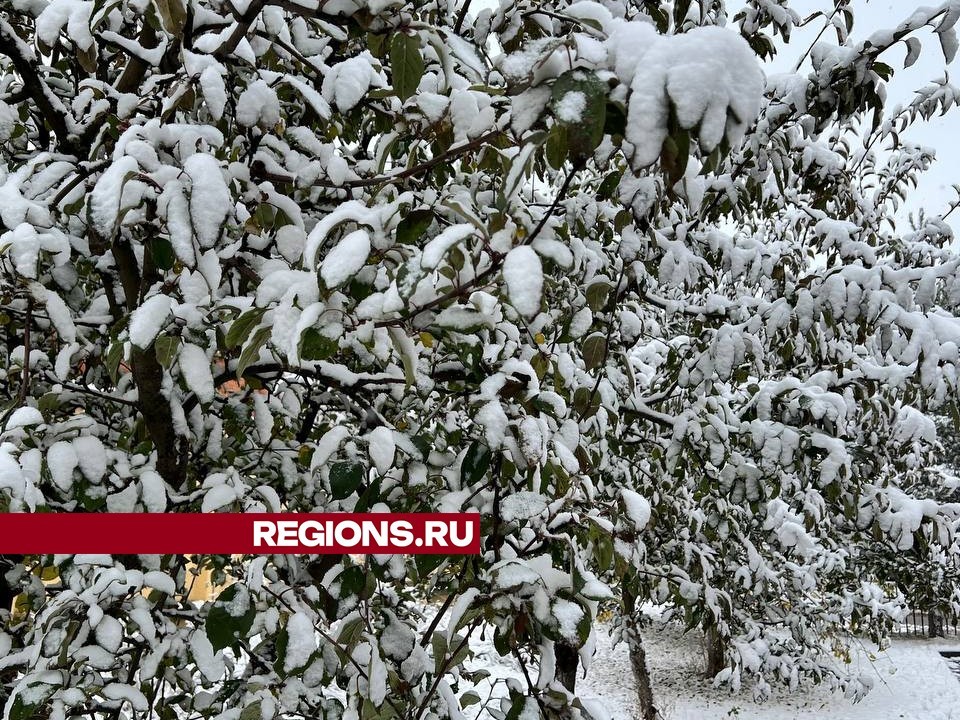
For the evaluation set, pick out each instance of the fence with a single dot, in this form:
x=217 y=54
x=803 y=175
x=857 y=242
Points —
x=917 y=624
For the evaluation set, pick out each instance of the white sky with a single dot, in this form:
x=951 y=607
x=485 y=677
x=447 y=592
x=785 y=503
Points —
x=934 y=192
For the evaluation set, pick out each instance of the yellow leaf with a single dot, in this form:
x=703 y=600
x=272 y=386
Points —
x=50 y=573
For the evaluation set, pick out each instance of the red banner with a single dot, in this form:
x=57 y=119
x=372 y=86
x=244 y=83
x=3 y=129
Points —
x=239 y=533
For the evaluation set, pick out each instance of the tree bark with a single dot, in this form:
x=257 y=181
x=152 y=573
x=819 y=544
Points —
x=567 y=659
x=638 y=657
x=935 y=623
x=714 y=651
x=7 y=595
x=148 y=374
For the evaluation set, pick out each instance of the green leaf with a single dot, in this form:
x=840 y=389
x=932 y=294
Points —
x=353 y=581
x=241 y=327
x=426 y=564
x=114 y=356
x=173 y=15
x=913 y=51
x=609 y=185
x=556 y=146
x=345 y=478
x=224 y=628
x=616 y=120
x=251 y=352
x=251 y=712
x=370 y=497
x=674 y=155
x=375 y=43
x=21 y=710
x=586 y=403
x=162 y=252
x=280 y=648
x=502 y=640
x=351 y=632
x=48 y=403
x=413 y=226
x=87 y=59
x=439 y=642
x=475 y=463
x=314 y=346
x=594 y=350
x=586 y=131
x=406 y=63
x=603 y=550
x=165 y=347
x=405 y=348
x=597 y=295
x=584 y=626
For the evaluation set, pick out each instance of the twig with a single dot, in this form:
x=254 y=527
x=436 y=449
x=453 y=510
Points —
x=25 y=372
x=417 y=169
x=25 y=62
x=461 y=16
x=443 y=608
x=494 y=266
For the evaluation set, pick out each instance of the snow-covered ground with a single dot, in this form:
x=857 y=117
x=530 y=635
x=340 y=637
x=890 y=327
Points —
x=912 y=682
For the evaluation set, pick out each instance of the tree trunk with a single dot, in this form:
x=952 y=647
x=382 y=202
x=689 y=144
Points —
x=7 y=594
x=716 y=660
x=935 y=622
x=638 y=658
x=567 y=659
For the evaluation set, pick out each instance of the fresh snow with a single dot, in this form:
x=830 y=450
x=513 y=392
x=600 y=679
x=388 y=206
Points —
x=709 y=75
x=217 y=497
x=382 y=448
x=109 y=633
x=570 y=107
x=209 y=663
x=568 y=614
x=347 y=82
x=195 y=368
x=435 y=250
x=23 y=417
x=638 y=508
x=911 y=681
x=346 y=259
x=91 y=456
x=153 y=492
x=62 y=461
x=107 y=194
x=147 y=320
x=258 y=106
x=8 y=121
x=301 y=641
x=174 y=204
x=210 y=200
x=128 y=693
x=523 y=274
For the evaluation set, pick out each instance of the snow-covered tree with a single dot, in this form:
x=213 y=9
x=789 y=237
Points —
x=579 y=267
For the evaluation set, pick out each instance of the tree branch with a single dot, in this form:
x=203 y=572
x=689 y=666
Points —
x=417 y=169
x=26 y=63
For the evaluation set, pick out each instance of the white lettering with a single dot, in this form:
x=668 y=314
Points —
x=263 y=533
x=435 y=533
